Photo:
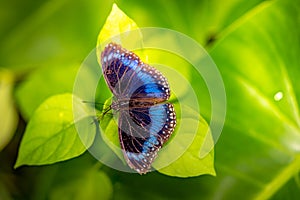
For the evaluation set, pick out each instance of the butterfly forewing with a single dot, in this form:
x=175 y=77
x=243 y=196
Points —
x=128 y=77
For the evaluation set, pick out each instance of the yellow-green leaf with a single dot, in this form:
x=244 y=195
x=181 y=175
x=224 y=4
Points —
x=8 y=117
x=190 y=163
x=52 y=132
x=118 y=28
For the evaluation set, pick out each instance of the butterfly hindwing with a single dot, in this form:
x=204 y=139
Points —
x=143 y=131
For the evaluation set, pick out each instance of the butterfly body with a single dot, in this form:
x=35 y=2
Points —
x=146 y=121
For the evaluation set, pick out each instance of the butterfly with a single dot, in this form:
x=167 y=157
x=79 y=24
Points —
x=146 y=121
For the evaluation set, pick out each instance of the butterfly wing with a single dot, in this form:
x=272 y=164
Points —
x=143 y=131
x=144 y=125
x=129 y=78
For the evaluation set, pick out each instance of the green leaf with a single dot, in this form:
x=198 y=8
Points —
x=201 y=20
x=48 y=33
x=9 y=117
x=189 y=164
x=52 y=134
x=291 y=190
x=93 y=184
x=258 y=58
x=257 y=51
x=45 y=82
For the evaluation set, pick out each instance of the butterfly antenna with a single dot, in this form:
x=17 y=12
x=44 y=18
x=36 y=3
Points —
x=104 y=112
x=101 y=114
x=91 y=102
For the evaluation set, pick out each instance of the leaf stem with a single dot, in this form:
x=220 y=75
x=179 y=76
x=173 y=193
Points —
x=280 y=179
x=237 y=23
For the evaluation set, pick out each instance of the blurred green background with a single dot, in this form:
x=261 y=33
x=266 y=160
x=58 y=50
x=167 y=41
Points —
x=256 y=46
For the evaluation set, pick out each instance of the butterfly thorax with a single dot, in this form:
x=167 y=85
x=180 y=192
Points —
x=125 y=104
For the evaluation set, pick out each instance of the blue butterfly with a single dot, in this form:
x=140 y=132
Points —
x=146 y=121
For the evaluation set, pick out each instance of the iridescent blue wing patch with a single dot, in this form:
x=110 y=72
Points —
x=128 y=77
x=145 y=121
x=143 y=131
